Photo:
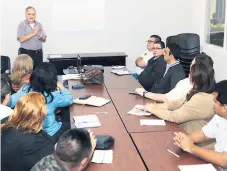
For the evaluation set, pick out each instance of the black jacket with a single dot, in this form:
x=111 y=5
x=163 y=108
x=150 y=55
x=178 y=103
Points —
x=153 y=72
x=169 y=81
x=21 y=151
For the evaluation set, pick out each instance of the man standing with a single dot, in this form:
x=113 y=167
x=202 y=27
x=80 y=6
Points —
x=30 y=34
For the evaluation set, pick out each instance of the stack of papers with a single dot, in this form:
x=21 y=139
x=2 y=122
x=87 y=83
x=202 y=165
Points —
x=118 y=67
x=71 y=77
x=87 y=121
x=198 y=167
x=138 y=112
x=102 y=156
x=93 y=101
x=153 y=122
x=121 y=72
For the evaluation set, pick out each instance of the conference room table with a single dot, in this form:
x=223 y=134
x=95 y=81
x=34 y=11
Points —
x=113 y=81
x=124 y=151
x=136 y=148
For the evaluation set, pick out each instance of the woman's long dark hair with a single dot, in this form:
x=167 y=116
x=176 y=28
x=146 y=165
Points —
x=44 y=79
x=202 y=77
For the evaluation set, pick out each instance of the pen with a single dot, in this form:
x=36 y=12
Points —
x=173 y=153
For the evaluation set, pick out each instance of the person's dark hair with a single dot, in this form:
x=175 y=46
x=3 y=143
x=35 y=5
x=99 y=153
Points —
x=157 y=38
x=161 y=43
x=73 y=146
x=204 y=59
x=44 y=79
x=29 y=7
x=220 y=88
x=5 y=87
x=174 y=50
x=203 y=80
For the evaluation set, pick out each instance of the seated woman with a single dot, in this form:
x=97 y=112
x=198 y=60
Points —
x=23 y=143
x=44 y=80
x=5 y=98
x=21 y=72
x=198 y=108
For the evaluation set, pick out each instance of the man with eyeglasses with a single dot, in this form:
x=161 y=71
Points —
x=155 y=67
x=141 y=62
x=174 y=72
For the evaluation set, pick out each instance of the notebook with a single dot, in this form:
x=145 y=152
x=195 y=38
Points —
x=198 y=167
x=71 y=77
x=93 y=101
x=153 y=122
x=138 y=112
x=87 y=121
x=102 y=156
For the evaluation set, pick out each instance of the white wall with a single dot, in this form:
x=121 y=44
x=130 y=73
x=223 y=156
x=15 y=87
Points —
x=218 y=54
x=128 y=25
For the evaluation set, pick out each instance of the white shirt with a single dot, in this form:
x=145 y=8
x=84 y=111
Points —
x=32 y=25
x=5 y=111
x=217 y=129
x=180 y=90
x=147 y=55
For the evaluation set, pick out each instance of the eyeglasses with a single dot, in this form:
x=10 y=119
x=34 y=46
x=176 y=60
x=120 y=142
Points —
x=150 y=41
x=156 y=48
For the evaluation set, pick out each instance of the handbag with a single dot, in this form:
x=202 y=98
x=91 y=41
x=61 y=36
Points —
x=104 y=142
x=93 y=76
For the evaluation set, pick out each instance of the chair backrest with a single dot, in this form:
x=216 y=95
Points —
x=188 y=41
x=5 y=64
x=171 y=40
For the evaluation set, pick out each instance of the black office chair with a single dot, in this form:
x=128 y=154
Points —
x=171 y=40
x=5 y=64
x=189 y=43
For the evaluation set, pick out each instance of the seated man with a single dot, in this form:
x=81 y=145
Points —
x=155 y=68
x=215 y=129
x=5 y=98
x=173 y=74
x=182 y=88
x=72 y=152
x=141 y=62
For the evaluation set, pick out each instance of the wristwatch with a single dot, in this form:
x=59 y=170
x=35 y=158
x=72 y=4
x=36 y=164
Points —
x=145 y=92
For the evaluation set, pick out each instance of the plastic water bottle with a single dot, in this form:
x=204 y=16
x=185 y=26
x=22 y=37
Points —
x=79 y=64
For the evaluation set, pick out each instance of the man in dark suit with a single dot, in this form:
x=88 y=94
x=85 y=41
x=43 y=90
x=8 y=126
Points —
x=174 y=71
x=155 y=68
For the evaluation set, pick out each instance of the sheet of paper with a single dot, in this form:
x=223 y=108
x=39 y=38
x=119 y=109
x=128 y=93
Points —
x=102 y=156
x=93 y=101
x=198 y=167
x=121 y=72
x=153 y=122
x=97 y=101
x=55 y=56
x=71 y=77
x=87 y=121
x=138 y=112
x=118 y=67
